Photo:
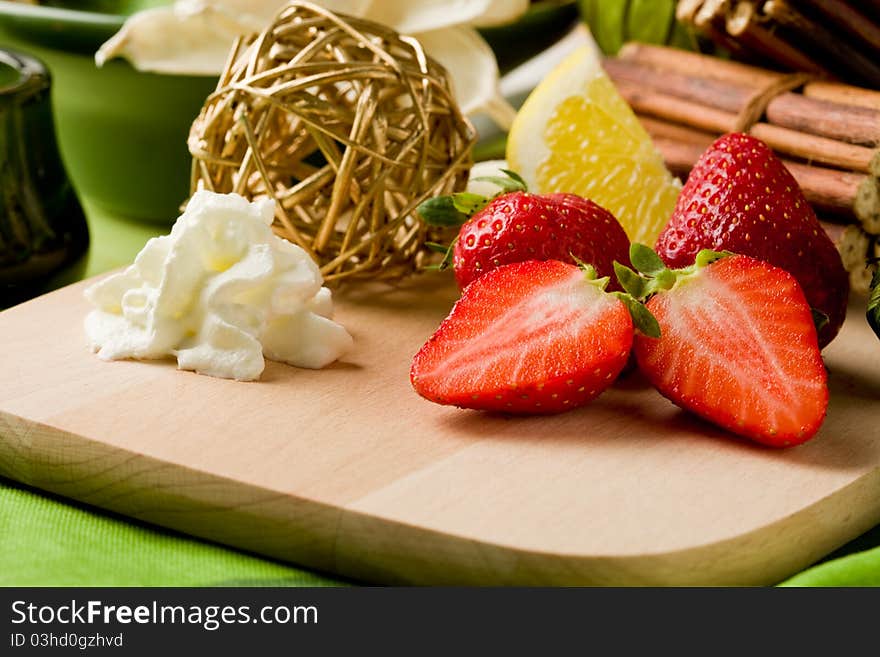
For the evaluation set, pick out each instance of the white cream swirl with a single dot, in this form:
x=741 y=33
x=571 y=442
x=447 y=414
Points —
x=218 y=293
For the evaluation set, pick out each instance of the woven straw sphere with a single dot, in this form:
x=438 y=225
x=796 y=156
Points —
x=349 y=126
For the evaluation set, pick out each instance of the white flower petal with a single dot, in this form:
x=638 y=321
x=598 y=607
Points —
x=474 y=71
x=501 y=12
x=411 y=16
x=162 y=40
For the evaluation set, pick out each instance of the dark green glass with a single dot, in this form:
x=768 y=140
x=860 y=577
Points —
x=43 y=231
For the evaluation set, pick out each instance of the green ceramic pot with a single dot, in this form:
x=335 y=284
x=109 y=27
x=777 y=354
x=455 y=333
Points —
x=43 y=230
x=122 y=133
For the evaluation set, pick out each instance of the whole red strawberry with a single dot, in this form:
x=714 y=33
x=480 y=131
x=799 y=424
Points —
x=737 y=346
x=522 y=226
x=532 y=337
x=740 y=197
x=516 y=226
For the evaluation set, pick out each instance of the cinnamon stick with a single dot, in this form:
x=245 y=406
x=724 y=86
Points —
x=815 y=149
x=849 y=20
x=658 y=93
x=646 y=100
x=743 y=23
x=823 y=41
x=829 y=190
x=680 y=156
x=688 y=63
x=853 y=124
x=675 y=131
x=844 y=94
x=720 y=94
x=813 y=113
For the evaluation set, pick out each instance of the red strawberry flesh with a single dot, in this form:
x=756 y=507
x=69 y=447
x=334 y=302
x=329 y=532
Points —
x=532 y=337
x=740 y=197
x=739 y=348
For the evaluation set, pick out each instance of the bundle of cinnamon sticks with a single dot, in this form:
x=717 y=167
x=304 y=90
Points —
x=829 y=38
x=827 y=134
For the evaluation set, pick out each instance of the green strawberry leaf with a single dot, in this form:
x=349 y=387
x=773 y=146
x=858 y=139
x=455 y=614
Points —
x=441 y=211
x=873 y=312
x=516 y=177
x=707 y=256
x=635 y=285
x=507 y=184
x=469 y=204
x=820 y=319
x=645 y=260
x=642 y=319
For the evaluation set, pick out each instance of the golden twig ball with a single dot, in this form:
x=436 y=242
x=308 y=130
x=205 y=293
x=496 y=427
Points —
x=348 y=126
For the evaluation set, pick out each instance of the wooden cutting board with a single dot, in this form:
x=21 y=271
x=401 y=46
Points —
x=347 y=470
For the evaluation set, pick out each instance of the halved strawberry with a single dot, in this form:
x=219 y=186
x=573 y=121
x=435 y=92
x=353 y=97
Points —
x=531 y=337
x=737 y=346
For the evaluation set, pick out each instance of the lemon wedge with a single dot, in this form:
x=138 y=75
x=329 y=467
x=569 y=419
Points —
x=575 y=133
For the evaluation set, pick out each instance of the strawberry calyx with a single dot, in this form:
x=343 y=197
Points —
x=643 y=321
x=648 y=277
x=591 y=276
x=455 y=209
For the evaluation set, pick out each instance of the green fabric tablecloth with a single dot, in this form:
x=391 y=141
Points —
x=45 y=541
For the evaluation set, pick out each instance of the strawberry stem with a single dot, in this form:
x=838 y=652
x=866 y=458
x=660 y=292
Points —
x=445 y=250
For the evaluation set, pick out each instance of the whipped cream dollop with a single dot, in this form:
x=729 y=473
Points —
x=219 y=293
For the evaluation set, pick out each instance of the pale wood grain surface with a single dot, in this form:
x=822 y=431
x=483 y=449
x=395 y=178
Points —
x=348 y=470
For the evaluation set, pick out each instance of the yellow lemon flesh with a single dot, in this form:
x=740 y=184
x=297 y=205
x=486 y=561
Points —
x=576 y=134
